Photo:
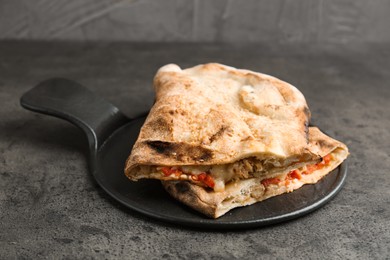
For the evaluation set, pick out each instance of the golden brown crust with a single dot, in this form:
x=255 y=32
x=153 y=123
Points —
x=215 y=204
x=215 y=114
x=322 y=144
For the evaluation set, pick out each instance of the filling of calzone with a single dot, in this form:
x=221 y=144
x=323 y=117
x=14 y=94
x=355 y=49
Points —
x=215 y=177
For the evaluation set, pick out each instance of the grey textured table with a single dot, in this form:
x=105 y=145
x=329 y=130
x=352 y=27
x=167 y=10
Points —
x=50 y=207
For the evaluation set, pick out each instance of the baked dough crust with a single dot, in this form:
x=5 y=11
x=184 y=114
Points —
x=214 y=114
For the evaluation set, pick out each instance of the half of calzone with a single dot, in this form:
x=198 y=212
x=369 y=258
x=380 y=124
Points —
x=214 y=127
x=245 y=192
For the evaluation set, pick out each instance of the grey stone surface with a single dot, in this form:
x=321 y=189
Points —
x=197 y=20
x=50 y=208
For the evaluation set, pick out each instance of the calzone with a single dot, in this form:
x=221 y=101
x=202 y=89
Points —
x=220 y=137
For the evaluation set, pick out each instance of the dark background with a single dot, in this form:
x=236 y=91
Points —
x=316 y=21
x=336 y=52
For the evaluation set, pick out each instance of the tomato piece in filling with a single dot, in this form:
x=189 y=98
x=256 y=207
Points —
x=294 y=175
x=267 y=182
x=205 y=179
x=310 y=169
x=325 y=161
x=169 y=171
x=166 y=171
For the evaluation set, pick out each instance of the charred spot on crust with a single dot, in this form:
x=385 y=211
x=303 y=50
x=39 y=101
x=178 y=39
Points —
x=218 y=134
x=207 y=155
x=193 y=153
x=304 y=117
x=182 y=187
x=307 y=113
x=169 y=188
x=160 y=124
x=160 y=146
x=324 y=144
x=306 y=126
x=181 y=151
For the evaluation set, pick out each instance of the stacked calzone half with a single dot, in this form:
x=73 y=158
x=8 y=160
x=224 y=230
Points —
x=220 y=138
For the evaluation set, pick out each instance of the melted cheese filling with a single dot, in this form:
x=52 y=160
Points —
x=221 y=174
x=225 y=173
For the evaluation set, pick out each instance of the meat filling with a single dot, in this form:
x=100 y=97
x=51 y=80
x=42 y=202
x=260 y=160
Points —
x=217 y=176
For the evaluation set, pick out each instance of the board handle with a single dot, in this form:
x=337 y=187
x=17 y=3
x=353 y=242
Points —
x=71 y=101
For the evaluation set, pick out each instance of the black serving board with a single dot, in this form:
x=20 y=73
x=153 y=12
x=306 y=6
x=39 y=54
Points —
x=111 y=136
